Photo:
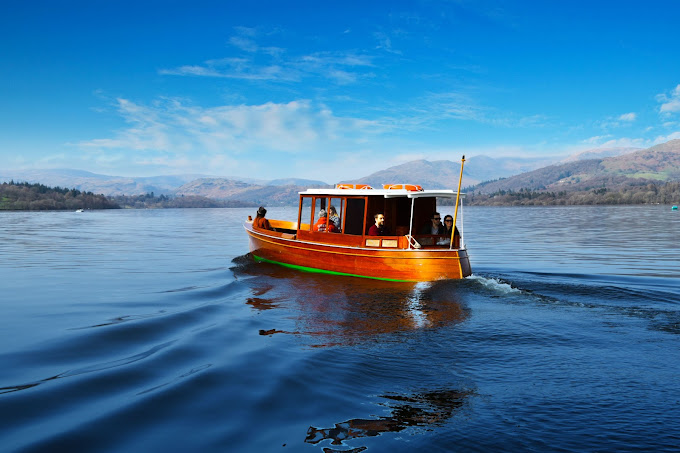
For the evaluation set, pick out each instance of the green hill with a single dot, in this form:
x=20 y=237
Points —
x=660 y=163
x=37 y=197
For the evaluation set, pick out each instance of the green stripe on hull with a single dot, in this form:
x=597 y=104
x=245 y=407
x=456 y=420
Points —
x=323 y=271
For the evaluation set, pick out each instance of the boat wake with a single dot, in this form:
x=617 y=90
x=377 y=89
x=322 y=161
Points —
x=652 y=300
x=495 y=284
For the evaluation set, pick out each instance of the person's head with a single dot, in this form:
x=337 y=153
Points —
x=261 y=212
x=379 y=219
x=448 y=222
x=332 y=211
x=436 y=219
x=322 y=213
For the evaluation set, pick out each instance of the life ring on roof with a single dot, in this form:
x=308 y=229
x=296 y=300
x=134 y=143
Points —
x=409 y=187
x=353 y=186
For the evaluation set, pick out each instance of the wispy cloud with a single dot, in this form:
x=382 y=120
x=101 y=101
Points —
x=385 y=43
x=166 y=131
x=670 y=102
x=665 y=138
x=257 y=62
x=596 y=139
x=614 y=122
x=625 y=142
x=236 y=68
x=608 y=141
x=433 y=108
x=245 y=44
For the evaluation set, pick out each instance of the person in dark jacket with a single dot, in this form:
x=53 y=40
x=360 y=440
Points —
x=448 y=225
x=435 y=226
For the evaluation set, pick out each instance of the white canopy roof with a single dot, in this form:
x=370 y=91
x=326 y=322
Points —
x=391 y=193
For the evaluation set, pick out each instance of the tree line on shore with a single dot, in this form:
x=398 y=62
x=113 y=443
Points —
x=23 y=196
x=650 y=193
x=150 y=201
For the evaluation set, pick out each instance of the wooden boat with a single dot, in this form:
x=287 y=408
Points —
x=312 y=243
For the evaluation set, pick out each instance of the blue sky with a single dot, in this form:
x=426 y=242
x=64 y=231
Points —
x=329 y=90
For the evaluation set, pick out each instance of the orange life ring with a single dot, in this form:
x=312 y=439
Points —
x=353 y=186
x=409 y=187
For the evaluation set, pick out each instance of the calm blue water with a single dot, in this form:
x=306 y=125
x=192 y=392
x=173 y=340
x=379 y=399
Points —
x=153 y=331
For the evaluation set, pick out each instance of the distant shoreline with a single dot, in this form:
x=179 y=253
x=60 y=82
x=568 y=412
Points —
x=37 y=197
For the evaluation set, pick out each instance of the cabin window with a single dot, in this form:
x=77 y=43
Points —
x=354 y=216
x=350 y=212
x=336 y=213
x=320 y=207
x=306 y=214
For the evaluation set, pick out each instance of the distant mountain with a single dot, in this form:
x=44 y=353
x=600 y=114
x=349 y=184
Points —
x=484 y=168
x=660 y=163
x=600 y=153
x=122 y=185
x=444 y=174
x=99 y=184
x=295 y=182
x=229 y=189
x=612 y=168
x=439 y=174
x=214 y=188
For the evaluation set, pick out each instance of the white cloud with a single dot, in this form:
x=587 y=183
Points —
x=434 y=108
x=385 y=43
x=596 y=139
x=665 y=138
x=164 y=133
x=670 y=103
x=269 y=63
x=245 y=44
x=235 y=68
x=625 y=142
x=246 y=31
x=624 y=120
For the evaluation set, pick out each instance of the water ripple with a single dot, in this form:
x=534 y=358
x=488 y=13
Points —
x=90 y=369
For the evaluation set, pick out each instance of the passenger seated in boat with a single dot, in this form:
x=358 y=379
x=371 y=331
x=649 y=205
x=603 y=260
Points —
x=320 y=224
x=260 y=221
x=448 y=226
x=434 y=226
x=379 y=228
x=334 y=218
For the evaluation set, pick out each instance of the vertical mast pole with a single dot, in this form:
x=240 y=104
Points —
x=455 y=212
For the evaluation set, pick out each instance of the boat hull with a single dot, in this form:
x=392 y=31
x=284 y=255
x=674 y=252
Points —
x=396 y=264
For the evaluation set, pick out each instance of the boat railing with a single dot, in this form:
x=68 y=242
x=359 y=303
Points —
x=412 y=242
x=283 y=225
x=437 y=241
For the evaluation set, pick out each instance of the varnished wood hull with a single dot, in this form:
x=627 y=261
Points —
x=384 y=264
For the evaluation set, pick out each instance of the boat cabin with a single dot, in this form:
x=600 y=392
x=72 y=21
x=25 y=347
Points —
x=344 y=215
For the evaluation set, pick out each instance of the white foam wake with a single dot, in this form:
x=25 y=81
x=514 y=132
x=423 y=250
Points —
x=494 y=284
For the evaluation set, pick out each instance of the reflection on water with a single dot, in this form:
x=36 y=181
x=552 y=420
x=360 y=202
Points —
x=338 y=310
x=425 y=409
x=261 y=304
x=332 y=311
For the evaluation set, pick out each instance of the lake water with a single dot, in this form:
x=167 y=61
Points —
x=152 y=330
